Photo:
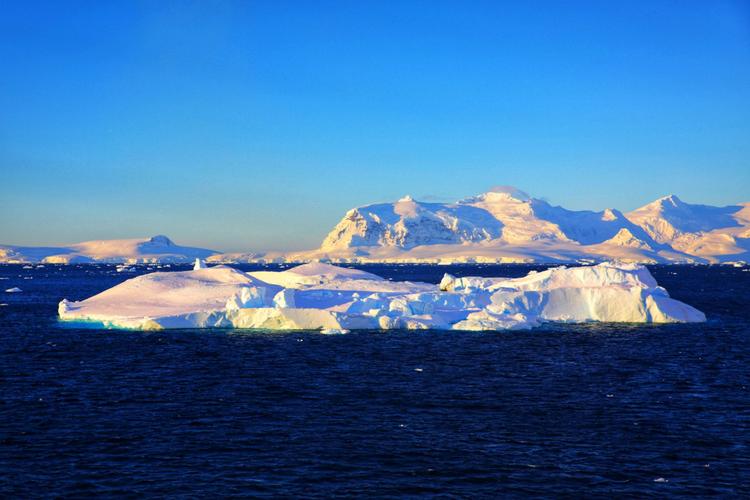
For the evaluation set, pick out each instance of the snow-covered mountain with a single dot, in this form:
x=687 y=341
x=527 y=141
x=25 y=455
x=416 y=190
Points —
x=510 y=216
x=156 y=249
x=507 y=225
x=502 y=225
x=715 y=233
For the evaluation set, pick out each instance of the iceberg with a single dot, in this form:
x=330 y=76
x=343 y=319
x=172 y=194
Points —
x=318 y=296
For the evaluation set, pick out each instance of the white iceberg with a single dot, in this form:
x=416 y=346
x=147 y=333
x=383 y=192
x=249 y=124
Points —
x=15 y=289
x=319 y=296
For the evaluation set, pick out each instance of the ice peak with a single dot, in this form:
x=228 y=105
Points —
x=626 y=238
x=665 y=203
x=501 y=194
x=669 y=200
x=508 y=192
x=406 y=198
x=609 y=214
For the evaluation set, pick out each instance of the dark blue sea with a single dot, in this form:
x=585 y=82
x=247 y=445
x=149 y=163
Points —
x=593 y=410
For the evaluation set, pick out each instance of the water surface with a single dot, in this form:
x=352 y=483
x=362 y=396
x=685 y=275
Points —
x=596 y=409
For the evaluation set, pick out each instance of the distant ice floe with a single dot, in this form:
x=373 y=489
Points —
x=333 y=299
x=15 y=289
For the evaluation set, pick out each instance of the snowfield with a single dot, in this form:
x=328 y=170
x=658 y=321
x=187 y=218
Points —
x=324 y=297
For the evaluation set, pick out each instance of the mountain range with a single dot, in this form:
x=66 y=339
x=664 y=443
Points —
x=502 y=225
x=507 y=225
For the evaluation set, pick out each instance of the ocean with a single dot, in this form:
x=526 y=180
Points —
x=562 y=410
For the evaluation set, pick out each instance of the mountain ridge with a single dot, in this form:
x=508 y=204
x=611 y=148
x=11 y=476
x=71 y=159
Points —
x=508 y=225
x=500 y=226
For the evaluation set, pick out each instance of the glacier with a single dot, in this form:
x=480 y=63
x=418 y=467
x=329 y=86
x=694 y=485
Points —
x=320 y=296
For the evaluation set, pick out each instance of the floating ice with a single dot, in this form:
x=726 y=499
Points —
x=333 y=331
x=334 y=299
x=15 y=289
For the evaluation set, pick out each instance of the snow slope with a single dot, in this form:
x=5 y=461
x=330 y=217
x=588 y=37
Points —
x=322 y=296
x=155 y=249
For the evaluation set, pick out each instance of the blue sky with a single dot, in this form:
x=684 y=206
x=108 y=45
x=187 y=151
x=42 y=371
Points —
x=256 y=125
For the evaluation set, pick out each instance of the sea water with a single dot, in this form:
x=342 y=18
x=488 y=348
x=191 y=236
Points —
x=594 y=409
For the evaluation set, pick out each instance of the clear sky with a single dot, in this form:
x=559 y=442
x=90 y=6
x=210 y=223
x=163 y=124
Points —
x=256 y=125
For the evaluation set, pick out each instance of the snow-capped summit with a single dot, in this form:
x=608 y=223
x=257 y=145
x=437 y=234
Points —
x=506 y=192
x=625 y=238
x=160 y=239
x=408 y=223
x=667 y=218
x=666 y=201
x=610 y=214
